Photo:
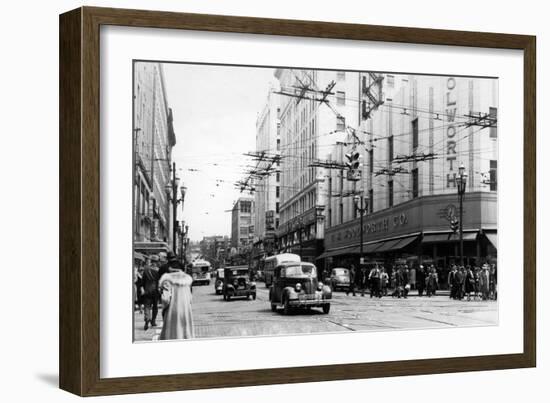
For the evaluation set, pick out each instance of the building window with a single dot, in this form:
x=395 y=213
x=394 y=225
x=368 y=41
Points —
x=371 y=161
x=340 y=123
x=278 y=176
x=493 y=175
x=276 y=223
x=340 y=98
x=371 y=201
x=277 y=191
x=390 y=80
x=341 y=213
x=278 y=144
x=390 y=194
x=415 y=133
x=277 y=207
x=341 y=75
x=493 y=114
x=415 y=183
x=390 y=148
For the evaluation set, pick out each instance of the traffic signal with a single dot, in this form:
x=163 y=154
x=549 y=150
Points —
x=353 y=165
x=454 y=224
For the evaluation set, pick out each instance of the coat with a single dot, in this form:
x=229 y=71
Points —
x=176 y=294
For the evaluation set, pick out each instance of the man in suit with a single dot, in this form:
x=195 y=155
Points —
x=352 y=279
x=149 y=284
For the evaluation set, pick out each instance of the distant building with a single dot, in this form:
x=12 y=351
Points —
x=268 y=185
x=308 y=128
x=412 y=146
x=154 y=139
x=214 y=249
x=242 y=223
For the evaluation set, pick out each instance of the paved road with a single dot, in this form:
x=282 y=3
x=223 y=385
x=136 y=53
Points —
x=215 y=317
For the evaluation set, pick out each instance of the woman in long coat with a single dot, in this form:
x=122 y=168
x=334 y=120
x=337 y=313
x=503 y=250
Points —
x=175 y=289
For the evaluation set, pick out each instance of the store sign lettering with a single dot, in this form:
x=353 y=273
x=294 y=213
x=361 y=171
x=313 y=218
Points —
x=450 y=111
x=381 y=225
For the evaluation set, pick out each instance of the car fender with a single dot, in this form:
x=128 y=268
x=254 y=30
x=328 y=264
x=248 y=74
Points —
x=290 y=293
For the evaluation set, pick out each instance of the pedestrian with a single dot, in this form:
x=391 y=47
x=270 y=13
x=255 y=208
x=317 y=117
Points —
x=406 y=281
x=484 y=283
x=352 y=280
x=469 y=283
x=171 y=262
x=363 y=280
x=176 y=296
x=432 y=280
x=453 y=283
x=400 y=282
x=384 y=282
x=477 y=283
x=421 y=280
x=493 y=285
x=138 y=274
x=374 y=282
x=460 y=280
x=149 y=283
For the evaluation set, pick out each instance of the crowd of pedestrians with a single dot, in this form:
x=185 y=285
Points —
x=464 y=282
x=161 y=279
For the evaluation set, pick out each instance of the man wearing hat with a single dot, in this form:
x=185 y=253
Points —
x=150 y=279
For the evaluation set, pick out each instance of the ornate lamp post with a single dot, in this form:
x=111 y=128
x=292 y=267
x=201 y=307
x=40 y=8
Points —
x=172 y=192
x=361 y=205
x=461 y=180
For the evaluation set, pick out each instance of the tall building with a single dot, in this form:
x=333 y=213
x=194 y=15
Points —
x=154 y=139
x=412 y=146
x=307 y=128
x=242 y=223
x=268 y=184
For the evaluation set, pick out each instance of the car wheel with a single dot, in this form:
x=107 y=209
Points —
x=286 y=306
x=326 y=308
x=273 y=307
x=254 y=296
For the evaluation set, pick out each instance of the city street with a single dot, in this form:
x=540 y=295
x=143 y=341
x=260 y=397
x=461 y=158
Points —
x=215 y=317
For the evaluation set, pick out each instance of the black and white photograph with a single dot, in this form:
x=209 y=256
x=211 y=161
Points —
x=280 y=200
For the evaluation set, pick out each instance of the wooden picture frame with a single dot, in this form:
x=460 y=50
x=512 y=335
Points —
x=79 y=346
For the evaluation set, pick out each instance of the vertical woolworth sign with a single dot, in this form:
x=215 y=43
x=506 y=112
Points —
x=451 y=131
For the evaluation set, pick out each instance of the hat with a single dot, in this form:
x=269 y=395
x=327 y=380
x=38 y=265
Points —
x=171 y=255
x=154 y=258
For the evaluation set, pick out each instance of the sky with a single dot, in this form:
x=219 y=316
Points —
x=215 y=110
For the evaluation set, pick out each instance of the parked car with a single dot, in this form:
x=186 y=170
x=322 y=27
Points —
x=339 y=278
x=218 y=284
x=237 y=283
x=295 y=285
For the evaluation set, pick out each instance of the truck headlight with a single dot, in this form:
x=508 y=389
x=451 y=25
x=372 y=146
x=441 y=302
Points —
x=298 y=287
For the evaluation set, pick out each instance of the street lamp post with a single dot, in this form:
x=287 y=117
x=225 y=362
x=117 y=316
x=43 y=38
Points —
x=461 y=187
x=361 y=206
x=172 y=192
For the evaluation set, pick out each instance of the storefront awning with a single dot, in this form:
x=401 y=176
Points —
x=466 y=236
x=387 y=245
x=338 y=252
x=493 y=238
x=432 y=238
x=448 y=237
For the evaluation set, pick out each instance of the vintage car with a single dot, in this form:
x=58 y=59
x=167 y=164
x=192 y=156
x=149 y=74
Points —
x=218 y=284
x=295 y=285
x=237 y=283
x=339 y=278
